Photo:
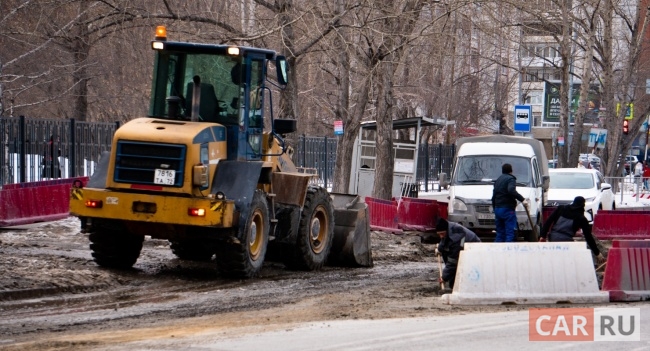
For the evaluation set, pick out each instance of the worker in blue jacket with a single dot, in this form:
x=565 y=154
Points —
x=453 y=237
x=504 y=202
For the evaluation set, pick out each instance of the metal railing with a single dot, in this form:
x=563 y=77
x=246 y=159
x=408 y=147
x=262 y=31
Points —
x=34 y=149
x=628 y=186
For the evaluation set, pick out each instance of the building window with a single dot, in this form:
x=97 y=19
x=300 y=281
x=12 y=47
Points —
x=534 y=98
x=548 y=51
x=541 y=74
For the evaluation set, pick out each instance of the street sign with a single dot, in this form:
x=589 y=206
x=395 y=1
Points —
x=629 y=112
x=597 y=138
x=338 y=127
x=523 y=118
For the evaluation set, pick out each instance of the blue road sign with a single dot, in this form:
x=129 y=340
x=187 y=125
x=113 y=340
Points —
x=523 y=118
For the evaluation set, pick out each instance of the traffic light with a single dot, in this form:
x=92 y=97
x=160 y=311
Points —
x=626 y=127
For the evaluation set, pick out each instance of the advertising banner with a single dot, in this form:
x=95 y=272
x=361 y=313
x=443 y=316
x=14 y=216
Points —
x=552 y=103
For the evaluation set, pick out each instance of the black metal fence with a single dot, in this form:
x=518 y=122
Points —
x=432 y=161
x=53 y=148
x=35 y=149
x=319 y=154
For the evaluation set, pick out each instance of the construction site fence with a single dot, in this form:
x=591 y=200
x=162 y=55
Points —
x=37 y=149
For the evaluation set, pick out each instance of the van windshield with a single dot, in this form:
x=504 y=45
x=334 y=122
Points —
x=485 y=169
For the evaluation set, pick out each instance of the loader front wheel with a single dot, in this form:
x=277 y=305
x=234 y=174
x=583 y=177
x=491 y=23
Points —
x=113 y=246
x=315 y=232
x=245 y=257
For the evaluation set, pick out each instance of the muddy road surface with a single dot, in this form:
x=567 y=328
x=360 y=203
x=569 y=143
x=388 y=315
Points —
x=54 y=297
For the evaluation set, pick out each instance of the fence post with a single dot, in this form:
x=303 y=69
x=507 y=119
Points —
x=4 y=164
x=23 y=154
x=326 y=162
x=72 y=162
x=439 y=168
x=304 y=151
x=426 y=168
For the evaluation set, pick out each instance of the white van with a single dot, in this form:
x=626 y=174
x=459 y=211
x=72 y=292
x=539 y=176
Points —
x=477 y=165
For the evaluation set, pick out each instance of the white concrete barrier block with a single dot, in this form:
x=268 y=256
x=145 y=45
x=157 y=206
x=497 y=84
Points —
x=525 y=273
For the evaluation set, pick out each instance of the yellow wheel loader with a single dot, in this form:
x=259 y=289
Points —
x=207 y=171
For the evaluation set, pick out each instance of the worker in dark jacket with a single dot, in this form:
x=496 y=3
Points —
x=565 y=221
x=453 y=237
x=504 y=202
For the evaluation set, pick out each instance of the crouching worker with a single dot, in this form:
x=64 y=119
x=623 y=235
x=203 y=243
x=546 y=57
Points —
x=453 y=237
x=566 y=221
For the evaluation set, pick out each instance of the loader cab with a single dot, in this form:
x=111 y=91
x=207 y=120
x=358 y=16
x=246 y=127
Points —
x=218 y=84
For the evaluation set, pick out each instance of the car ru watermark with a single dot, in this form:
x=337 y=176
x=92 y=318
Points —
x=584 y=324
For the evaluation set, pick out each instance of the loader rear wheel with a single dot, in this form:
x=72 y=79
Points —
x=315 y=232
x=192 y=250
x=244 y=259
x=113 y=246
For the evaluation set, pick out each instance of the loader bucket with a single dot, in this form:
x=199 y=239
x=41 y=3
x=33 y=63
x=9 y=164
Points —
x=351 y=245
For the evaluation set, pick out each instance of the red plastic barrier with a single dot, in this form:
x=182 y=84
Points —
x=617 y=224
x=442 y=210
x=25 y=203
x=627 y=275
x=383 y=215
x=546 y=212
x=417 y=214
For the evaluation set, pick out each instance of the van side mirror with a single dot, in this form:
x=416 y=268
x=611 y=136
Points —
x=444 y=182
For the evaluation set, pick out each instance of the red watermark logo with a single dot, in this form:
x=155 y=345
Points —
x=584 y=324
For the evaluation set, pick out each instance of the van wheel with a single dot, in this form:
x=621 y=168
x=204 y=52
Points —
x=315 y=232
x=244 y=259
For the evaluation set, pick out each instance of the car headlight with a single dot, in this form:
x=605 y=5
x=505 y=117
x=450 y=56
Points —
x=458 y=205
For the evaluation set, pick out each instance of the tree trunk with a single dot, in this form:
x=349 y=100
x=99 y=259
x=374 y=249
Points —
x=565 y=103
x=289 y=107
x=351 y=116
x=81 y=51
x=384 y=138
x=584 y=94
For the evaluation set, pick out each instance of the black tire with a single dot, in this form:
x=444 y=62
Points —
x=315 y=232
x=192 y=250
x=113 y=246
x=244 y=259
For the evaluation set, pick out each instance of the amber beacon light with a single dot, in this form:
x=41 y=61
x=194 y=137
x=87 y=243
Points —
x=161 y=33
